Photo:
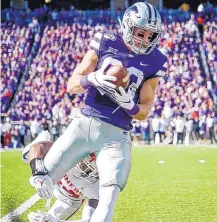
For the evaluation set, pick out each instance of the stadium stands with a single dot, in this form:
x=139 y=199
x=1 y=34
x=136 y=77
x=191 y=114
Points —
x=62 y=45
x=16 y=47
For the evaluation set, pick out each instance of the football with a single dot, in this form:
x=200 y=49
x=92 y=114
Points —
x=122 y=75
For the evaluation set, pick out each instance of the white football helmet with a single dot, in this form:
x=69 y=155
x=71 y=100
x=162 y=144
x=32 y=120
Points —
x=145 y=16
x=87 y=167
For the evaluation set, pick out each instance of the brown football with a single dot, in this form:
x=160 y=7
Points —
x=122 y=75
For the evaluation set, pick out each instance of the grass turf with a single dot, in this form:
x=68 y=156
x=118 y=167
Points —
x=181 y=189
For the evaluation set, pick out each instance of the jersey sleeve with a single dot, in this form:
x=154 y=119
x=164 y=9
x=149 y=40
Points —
x=162 y=70
x=96 y=41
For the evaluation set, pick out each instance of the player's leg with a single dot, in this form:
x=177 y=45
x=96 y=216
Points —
x=69 y=149
x=92 y=192
x=113 y=163
x=65 y=206
x=62 y=210
x=89 y=209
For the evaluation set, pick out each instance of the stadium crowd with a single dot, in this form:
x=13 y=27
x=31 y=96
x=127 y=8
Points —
x=183 y=110
x=16 y=44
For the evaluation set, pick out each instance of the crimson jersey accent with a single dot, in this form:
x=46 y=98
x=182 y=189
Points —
x=67 y=186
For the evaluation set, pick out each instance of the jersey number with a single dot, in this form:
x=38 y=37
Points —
x=136 y=75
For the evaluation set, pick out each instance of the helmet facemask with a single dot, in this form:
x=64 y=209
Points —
x=87 y=167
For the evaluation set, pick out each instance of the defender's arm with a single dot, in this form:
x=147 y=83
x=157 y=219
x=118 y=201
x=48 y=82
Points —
x=39 y=150
x=146 y=98
x=87 y=66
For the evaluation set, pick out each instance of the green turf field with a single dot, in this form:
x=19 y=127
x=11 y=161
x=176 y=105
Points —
x=181 y=189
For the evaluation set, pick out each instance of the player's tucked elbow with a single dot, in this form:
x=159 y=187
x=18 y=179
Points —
x=71 y=87
x=74 y=86
x=141 y=116
x=144 y=111
x=74 y=89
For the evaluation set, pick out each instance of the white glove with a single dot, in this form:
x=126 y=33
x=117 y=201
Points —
x=41 y=216
x=99 y=80
x=123 y=98
x=43 y=185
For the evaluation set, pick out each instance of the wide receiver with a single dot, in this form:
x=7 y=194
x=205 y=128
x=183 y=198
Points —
x=79 y=183
x=104 y=125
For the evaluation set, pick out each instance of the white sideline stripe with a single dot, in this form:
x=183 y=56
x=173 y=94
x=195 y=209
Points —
x=21 y=209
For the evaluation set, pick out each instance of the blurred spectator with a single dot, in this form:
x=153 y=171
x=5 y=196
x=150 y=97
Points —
x=63 y=124
x=202 y=127
x=1 y=134
x=22 y=132
x=145 y=129
x=55 y=130
x=163 y=127
x=188 y=130
x=7 y=139
x=136 y=132
x=200 y=9
x=195 y=130
x=7 y=125
x=185 y=7
x=168 y=111
x=156 y=128
x=210 y=127
x=179 y=129
x=34 y=128
x=74 y=112
x=15 y=143
x=44 y=124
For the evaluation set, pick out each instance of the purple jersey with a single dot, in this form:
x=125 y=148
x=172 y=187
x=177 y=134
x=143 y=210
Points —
x=111 y=50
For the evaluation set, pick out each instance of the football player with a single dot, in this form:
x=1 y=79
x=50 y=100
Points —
x=105 y=121
x=79 y=183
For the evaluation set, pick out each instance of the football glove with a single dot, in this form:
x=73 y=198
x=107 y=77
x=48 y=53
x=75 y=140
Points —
x=43 y=185
x=124 y=99
x=41 y=216
x=99 y=80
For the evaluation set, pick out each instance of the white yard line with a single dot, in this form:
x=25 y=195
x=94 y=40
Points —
x=21 y=209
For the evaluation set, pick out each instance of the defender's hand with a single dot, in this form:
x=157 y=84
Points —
x=43 y=185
